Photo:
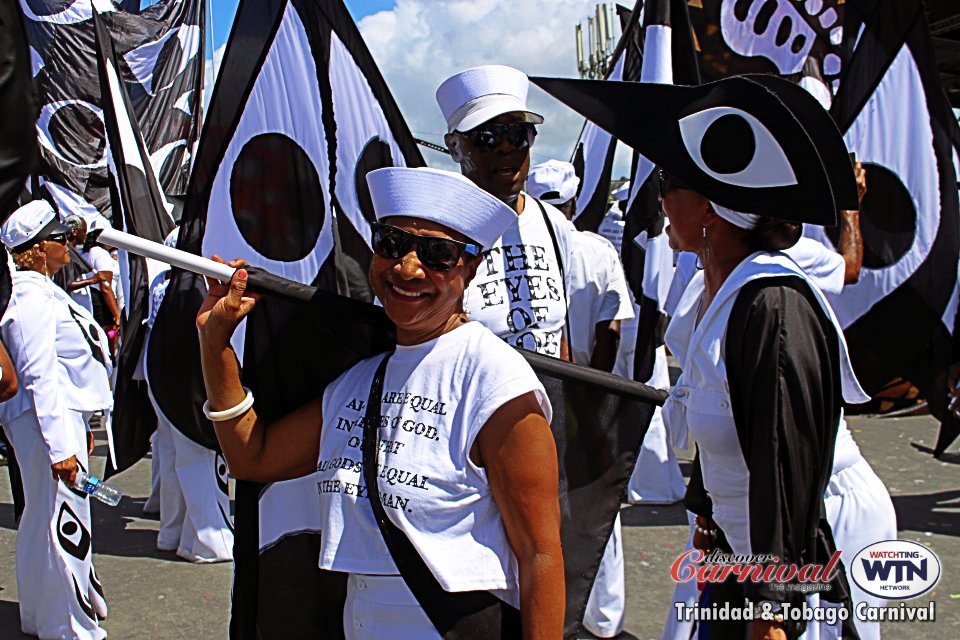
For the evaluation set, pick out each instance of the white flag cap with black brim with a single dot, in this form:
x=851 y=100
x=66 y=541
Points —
x=30 y=224
x=760 y=145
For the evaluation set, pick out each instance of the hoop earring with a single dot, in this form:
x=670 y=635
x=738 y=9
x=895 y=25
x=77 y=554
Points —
x=706 y=249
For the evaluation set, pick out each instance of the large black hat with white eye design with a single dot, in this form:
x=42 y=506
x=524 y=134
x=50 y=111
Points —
x=754 y=144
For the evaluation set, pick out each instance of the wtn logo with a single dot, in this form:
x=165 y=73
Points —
x=895 y=569
x=903 y=570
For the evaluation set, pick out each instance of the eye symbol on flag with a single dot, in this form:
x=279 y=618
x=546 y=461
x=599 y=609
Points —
x=888 y=219
x=276 y=197
x=732 y=146
x=74 y=131
x=73 y=536
x=220 y=466
x=70 y=12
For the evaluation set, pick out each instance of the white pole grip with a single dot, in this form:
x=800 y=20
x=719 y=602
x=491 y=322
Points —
x=163 y=253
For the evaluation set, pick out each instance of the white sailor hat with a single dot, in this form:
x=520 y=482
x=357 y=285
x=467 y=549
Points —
x=440 y=196
x=30 y=224
x=622 y=192
x=553 y=181
x=472 y=97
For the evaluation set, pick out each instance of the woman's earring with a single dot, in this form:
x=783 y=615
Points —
x=706 y=251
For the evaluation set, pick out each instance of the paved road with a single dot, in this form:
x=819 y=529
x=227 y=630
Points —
x=153 y=594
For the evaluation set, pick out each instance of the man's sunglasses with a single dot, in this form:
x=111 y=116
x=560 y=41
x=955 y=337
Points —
x=667 y=183
x=60 y=238
x=436 y=254
x=488 y=136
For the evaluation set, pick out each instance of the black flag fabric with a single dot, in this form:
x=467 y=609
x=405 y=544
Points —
x=801 y=41
x=18 y=144
x=894 y=115
x=668 y=57
x=140 y=210
x=160 y=53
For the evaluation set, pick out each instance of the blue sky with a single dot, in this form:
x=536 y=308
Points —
x=224 y=10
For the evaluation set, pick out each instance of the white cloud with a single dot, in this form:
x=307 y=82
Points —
x=420 y=43
x=209 y=77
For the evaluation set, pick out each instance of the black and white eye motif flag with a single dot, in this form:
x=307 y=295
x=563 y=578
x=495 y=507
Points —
x=593 y=154
x=161 y=53
x=300 y=113
x=18 y=144
x=900 y=316
x=647 y=258
x=71 y=127
x=143 y=211
x=73 y=153
x=801 y=41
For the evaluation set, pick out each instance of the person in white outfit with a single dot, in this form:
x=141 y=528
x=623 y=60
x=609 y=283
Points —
x=858 y=505
x=61 y=359
x=599 y=301
x=194 y=499
x=474 y=519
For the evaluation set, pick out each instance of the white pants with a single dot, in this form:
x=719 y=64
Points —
x=656 y=478
x=194 y=498
x=604 y=614
x=383 y=607
x=60 y=595
x=152 y=504
x=860 y=513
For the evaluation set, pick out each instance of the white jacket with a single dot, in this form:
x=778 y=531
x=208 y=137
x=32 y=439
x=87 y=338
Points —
x=61 y=358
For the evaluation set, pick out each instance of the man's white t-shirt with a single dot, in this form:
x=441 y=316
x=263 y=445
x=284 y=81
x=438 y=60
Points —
x=598 y=292
x=519 y=292
x=437 y=396
x=101 y=260
x=611 y=227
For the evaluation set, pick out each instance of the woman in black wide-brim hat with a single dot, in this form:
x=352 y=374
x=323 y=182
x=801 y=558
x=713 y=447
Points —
x=744 y=162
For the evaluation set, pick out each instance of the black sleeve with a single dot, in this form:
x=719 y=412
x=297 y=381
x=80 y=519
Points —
x=18 y=137
x=696 y=499
x=782 y=357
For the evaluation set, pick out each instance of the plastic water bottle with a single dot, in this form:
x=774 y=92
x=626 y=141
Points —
x=94 y=486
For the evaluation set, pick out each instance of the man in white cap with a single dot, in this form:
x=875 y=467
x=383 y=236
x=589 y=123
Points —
x=520 y=290
x=611 y=227
x=599 y=300
x=60 y=357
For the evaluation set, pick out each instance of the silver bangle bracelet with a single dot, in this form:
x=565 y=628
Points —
x=231 y=413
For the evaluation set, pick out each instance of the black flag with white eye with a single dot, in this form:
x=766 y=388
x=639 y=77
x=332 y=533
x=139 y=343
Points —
x=899 y=317
x=800 y=41
x=143 y=211
x=71 y=129
x=734 y=141
x=299 y=115
x=73 y=537
x=161 y=54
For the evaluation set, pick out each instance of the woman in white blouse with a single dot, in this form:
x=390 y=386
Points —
x=60 y=357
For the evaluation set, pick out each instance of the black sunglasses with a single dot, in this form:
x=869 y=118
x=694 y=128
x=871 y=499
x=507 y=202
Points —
x=60 y=238
x=436 y=254
x=667 y=183
x=488 y=136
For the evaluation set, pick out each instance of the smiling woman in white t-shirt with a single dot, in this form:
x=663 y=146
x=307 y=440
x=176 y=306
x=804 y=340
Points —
x=467 y=465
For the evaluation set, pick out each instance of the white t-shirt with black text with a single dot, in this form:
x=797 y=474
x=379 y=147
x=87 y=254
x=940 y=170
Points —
x=436 y=398
x=519 y=292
